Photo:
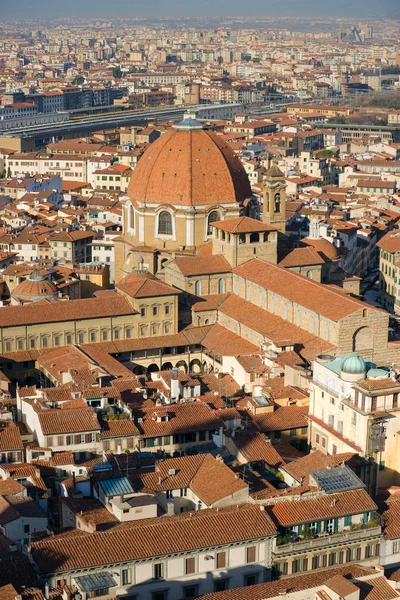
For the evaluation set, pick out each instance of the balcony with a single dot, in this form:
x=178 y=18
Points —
x=329 y=540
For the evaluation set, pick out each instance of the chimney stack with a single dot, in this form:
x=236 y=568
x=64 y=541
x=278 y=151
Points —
x=170 y=507
x=174 y=385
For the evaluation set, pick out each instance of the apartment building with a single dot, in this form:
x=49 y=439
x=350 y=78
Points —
x=72 y=246
x=166 y=557
x=354 y=408
x=389 y=274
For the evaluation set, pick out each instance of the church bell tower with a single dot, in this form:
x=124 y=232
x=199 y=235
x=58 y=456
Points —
x=274 y=198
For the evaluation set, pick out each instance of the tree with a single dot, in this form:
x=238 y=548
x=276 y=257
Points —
x=117 y=73
x=78 y=80
x=8 y=172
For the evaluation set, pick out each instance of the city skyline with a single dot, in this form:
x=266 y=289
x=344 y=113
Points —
x=222 y=8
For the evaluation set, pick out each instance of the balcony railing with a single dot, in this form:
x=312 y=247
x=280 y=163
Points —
x=329 y=540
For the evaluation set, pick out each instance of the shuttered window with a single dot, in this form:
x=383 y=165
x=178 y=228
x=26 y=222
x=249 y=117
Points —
x=251 y=554
x=190 y=565
x=221 y=560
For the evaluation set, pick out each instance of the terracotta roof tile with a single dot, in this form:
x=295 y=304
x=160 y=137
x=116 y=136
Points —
x=55 y=421
x=145 y=286
x=153 y=537
x=327 y=506
x=298 y=583
x=301 y=468
x=243 y=225
x=190 y=416
x=300 y=257
x=49 y=312
x=376 y=588
x=202 y=265
x=10 y=438
x=206 y=476
x=257 y=448
x=285 y=417
x=121 y=428
x=322 y=299
x=226 y=343
x=274 y=328
x=390 y=511
x=192 y=167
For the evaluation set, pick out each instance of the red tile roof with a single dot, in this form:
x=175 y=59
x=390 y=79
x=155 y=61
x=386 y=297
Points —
x=285 y=417
x=202 y=265
x=301 y=257
x=210 y=479
x=327 y=506
x=153 y=537
x=10 y=438
x=274 y=328
x=50 y=312
x=300 y=468
x=145 y=286
x=226 y=343
x=322 y=299
x=121 y=428
x=191 y=416
x=243 y=225
x=390 y=511
x=55 y=421
x=298 y=583
x=257 y=448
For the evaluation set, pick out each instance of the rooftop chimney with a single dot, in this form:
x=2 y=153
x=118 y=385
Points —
x=174 y=385
x=170 y=507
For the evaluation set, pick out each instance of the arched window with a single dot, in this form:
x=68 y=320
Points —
x=197 y=288
x=277 y=200
x=131 y=217
x=309 y=274
x=221 y=286
x=164 y=223
x=213 y=217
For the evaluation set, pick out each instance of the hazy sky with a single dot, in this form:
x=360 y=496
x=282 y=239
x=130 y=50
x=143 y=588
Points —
x=104 y=8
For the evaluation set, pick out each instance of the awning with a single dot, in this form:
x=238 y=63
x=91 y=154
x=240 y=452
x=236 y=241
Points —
x=98 y=581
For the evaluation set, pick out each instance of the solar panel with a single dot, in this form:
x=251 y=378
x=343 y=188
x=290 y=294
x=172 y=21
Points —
x=116 y=486
x=261 y=401
x=337 y=479
x=90 y=583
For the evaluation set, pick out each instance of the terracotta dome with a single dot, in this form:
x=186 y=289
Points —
x=189 y=166
x=34 y=288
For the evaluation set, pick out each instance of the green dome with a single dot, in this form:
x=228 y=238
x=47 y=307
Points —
x=354 y=365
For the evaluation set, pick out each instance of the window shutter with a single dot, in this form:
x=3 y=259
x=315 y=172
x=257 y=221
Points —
x=88 y=438
x=336 y=525
x=251 y=554
x=221 y=560
x=190 y=565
